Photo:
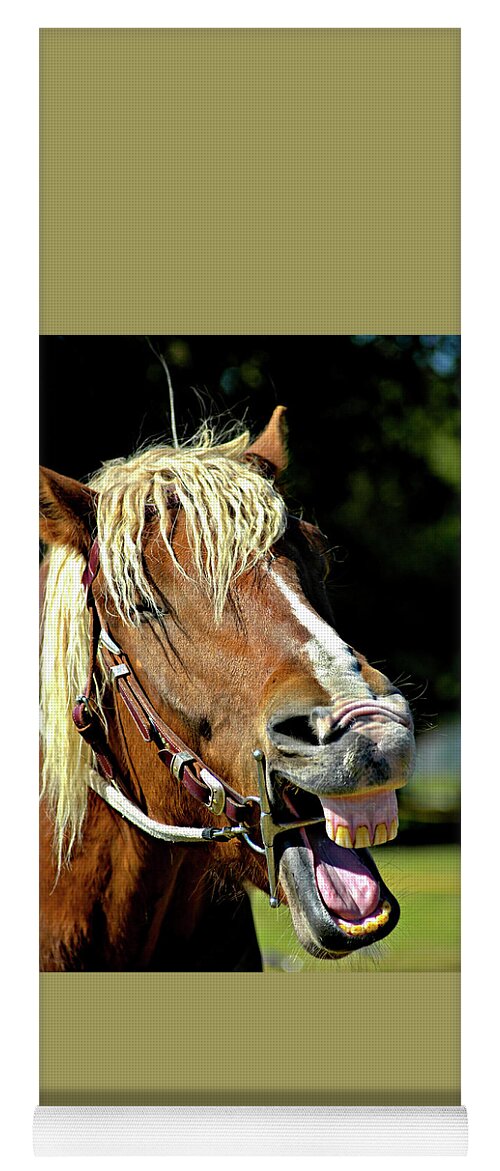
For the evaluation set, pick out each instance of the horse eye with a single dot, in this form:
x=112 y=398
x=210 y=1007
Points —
x=147 y=608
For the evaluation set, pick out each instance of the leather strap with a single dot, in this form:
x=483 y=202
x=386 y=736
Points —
x=188 y=768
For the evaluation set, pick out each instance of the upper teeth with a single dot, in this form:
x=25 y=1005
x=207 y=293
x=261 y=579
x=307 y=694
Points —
x=368 y=820
x=364 y=836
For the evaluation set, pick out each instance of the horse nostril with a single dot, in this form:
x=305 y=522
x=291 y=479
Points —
x=317 y=727
x=286 y=731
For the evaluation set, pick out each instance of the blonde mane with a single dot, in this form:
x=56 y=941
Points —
x=233 y=516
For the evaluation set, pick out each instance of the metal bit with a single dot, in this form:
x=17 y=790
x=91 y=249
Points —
x=270 y=829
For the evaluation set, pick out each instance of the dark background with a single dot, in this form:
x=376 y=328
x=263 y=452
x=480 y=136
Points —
x=373 y=436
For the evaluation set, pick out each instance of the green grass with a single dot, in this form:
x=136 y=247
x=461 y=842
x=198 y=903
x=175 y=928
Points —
x=425 y=881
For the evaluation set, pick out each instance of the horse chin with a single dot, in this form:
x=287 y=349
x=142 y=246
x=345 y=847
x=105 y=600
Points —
x=319 y=927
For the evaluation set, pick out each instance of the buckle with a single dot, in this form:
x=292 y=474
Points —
x=217 y=800
x=120 y=669
x=177 y=764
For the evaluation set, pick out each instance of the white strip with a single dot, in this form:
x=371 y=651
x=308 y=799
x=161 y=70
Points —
x=328 y=653
x=250 y=1130
x=320 y=630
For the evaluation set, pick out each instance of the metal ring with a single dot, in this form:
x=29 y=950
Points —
x=253 y=845
x=85 y=700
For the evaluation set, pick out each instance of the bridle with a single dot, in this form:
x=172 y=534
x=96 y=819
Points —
x=245 y=814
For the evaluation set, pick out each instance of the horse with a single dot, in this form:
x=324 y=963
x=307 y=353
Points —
x=204 y=727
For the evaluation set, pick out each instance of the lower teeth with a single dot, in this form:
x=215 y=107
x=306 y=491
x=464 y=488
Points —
x=372 y=923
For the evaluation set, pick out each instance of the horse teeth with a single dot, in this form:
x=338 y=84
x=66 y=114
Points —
x=358 y=837
x=363 y=838
x=372 y=923
x=343 y=837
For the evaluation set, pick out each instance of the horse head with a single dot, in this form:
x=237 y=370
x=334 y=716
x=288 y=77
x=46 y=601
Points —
x=216 y=598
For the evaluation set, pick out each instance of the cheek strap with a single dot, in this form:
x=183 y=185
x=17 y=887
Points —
x=247 y=813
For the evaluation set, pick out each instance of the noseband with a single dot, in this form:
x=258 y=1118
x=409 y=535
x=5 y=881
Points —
x=245 y=814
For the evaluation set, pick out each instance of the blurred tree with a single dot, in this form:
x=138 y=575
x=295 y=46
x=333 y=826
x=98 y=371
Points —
x=374 y=441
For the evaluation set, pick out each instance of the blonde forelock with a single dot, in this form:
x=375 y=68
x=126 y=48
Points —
x=233 y=516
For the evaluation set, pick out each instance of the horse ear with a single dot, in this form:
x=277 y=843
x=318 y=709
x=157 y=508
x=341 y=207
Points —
x=66 y=511
x=270 y=446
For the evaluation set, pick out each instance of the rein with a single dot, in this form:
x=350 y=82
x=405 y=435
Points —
x=245 y=813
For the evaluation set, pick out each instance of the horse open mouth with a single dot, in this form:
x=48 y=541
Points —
x=337 y=898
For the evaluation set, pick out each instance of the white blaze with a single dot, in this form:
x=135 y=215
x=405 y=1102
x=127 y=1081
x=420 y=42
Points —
x=335 y=667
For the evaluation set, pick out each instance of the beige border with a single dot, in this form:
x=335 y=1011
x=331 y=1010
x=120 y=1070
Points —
x=250 y=181
x=255 y=181
x=332 y=1038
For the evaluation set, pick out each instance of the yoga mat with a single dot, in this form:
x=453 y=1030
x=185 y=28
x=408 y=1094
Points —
x=277 y=211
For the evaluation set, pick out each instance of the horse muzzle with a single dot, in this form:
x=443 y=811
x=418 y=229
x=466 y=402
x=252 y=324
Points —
x=339 y=779
x=337 y=899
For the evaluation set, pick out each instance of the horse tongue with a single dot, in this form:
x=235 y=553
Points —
x=345 y=884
